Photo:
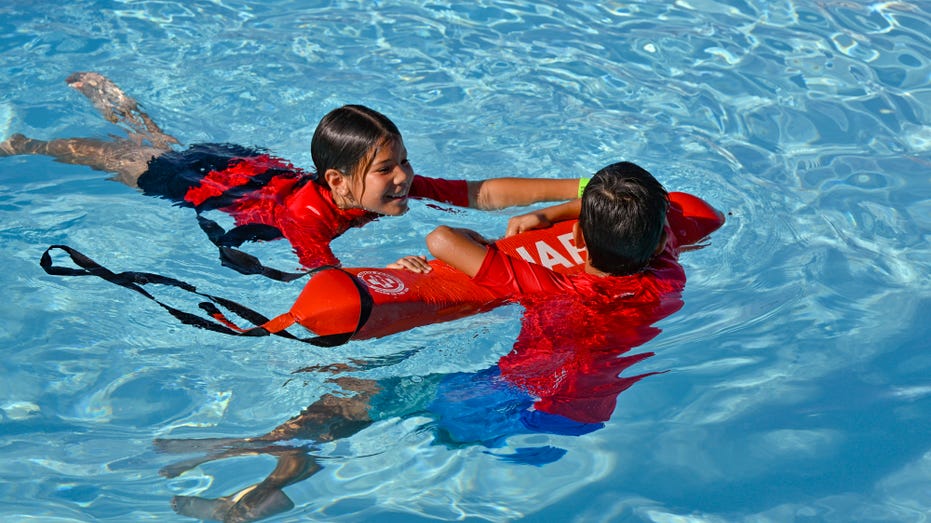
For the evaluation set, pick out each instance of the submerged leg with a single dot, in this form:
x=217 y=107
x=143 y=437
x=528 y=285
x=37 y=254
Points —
x=329 y=418
x=215 y=449
x=225 y=508
x=267 y=498
x=128 y=158
x=118 y=108
x=123 y=158
x=252 y=503
x=257 y=501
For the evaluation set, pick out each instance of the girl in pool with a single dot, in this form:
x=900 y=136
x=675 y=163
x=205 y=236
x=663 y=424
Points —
x=361 y=173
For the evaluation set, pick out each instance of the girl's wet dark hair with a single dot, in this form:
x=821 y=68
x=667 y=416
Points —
x=345 y=138
x=623 y=218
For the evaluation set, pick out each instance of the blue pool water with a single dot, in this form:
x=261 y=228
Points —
x=798 y=372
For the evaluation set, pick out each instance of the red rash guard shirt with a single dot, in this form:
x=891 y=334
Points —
x=576 y=328
x=302 y=210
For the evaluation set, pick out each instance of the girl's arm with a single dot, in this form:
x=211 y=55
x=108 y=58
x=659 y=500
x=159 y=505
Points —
x=497 y=193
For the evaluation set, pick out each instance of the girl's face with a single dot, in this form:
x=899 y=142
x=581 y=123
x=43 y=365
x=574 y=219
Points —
x=384 y=186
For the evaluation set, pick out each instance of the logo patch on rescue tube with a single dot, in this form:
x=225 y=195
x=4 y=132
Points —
x=382 y=282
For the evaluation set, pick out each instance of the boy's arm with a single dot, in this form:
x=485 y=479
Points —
x=543 y=218
x=463 y=249
x=497 y=193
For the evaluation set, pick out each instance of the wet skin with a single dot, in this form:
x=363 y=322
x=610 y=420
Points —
x=384 y=186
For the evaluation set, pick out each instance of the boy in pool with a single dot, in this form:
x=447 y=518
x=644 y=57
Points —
x=361 y=173
x=621 y=222
x=575 y=325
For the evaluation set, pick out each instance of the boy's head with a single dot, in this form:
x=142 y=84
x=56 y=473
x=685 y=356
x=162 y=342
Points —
x=623 y=218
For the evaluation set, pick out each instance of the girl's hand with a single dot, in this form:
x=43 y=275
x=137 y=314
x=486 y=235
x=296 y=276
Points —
x=526 y=222
x=412 y=263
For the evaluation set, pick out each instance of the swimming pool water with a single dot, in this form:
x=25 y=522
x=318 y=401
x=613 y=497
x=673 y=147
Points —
x=798 y=378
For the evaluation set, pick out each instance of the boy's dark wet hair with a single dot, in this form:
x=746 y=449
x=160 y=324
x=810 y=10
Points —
x=622 y=218
x=346 y=135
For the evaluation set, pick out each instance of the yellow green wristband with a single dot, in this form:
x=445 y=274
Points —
x=583 y=182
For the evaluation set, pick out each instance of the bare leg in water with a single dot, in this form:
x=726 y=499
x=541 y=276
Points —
x=330 y=418
x=127 y=158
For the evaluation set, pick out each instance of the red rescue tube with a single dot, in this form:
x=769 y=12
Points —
x=402 y=300
x=362 y=303
x=331 y=303
x=370 y=302
x=691 y=218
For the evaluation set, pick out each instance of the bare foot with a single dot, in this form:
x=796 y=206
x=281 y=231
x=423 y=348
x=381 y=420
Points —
x=13 y=145
x=118 y=108
x=109 y=99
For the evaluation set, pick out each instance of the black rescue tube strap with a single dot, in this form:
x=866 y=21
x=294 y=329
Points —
x=135 y=280
x=239 y=261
